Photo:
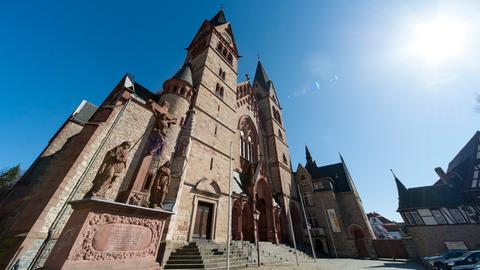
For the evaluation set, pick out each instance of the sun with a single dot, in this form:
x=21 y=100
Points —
x=438 y=41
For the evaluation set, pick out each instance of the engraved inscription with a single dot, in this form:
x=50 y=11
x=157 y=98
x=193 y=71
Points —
x=121 y=237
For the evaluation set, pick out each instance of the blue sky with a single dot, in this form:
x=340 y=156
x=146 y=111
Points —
x=347 y=79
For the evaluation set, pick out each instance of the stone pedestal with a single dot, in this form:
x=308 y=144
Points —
x=109 y=235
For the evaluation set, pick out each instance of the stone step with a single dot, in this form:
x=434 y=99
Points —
x=184 y=266
x=182 y=256
x=183 y=262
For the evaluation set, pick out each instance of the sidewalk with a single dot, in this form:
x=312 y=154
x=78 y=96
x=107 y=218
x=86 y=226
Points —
x=351 y=264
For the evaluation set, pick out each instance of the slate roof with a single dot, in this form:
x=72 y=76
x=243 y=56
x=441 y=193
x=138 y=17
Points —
x=144 y=93
x=218 y=19
x=464 y=162
x=440 y=195
x=185 y=74
x=459 y=173
x=261 y=76
x=337 y=172
x=84 y=111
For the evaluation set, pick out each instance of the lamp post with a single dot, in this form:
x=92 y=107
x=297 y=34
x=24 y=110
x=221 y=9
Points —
x=256 y=217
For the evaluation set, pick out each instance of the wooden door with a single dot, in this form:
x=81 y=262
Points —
x=203 y=221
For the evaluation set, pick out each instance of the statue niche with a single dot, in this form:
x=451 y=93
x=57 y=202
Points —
x=160 y=186
x=111 y=169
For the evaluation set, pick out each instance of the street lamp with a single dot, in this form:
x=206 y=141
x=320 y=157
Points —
x=256 y=217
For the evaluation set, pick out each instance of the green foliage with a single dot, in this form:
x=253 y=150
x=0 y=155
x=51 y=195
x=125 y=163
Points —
x=8 y=177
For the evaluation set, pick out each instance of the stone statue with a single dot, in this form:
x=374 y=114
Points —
x=112 y=167
x=163 y=119
x=155 y=142
x=136 y=200
x=160 y=186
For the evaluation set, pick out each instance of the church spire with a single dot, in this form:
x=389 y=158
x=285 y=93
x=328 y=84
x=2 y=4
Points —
x=310 y=165
x=219 y=18
x=261 y=76
x=400 y=186
x=307 y=154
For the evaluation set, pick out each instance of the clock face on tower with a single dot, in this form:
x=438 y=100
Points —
x=227 y=37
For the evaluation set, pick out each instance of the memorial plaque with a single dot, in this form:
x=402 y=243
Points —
x=121 y=237
x=108 y=235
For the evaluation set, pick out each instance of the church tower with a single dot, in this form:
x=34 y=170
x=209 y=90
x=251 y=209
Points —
x=203 y=187
x=278 y=155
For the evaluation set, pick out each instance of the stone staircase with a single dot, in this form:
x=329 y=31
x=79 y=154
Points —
x=209 y=255
x=272 y=254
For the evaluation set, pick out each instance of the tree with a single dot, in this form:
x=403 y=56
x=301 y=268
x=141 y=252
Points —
x=8 y=178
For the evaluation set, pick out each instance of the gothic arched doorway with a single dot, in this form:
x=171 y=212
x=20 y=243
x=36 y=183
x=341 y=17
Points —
x=263 y=204
x=247 y=224
x=236 y=220
x=262 y=222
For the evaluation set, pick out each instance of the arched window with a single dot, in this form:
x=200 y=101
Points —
x=230 y=58
x=221 y=91
x=217 y=89
x=276 y=114
x=248 y=139
x=280 y=135
x=219 y=47
x=182 y=91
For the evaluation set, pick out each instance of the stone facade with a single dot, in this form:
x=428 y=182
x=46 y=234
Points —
x=339 y=226
x=203 y=122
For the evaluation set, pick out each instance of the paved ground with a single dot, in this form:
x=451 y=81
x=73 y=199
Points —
x=351 y=264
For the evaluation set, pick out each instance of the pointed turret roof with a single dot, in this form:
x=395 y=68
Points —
x=185 y=74
x=307 y=153
x=261 y=76
x=310 y=165
x=400 y=186
x=218 y=19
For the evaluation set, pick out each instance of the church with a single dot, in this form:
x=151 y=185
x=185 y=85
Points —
x=147 y=172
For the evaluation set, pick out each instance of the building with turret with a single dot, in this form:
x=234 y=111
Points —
x=176 y=148
x=334 y=210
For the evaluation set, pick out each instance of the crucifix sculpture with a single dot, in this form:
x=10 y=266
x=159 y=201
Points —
x=163 y=121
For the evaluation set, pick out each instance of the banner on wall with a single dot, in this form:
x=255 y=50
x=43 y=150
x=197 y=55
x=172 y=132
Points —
x=333 y=220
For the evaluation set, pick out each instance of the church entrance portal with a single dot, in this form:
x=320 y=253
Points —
x=203 y=221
